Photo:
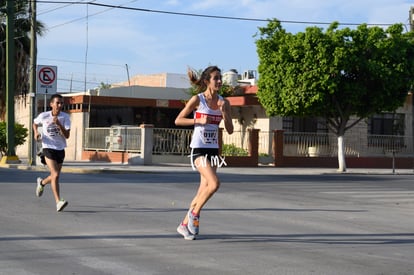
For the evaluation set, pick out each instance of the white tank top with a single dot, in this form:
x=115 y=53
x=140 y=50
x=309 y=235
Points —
x=206 y=136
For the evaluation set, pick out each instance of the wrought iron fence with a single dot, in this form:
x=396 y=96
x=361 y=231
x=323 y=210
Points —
x=318 y=144
x=240 y=139
x=171 y=141
x=95 y=139
x=115 y=138
x=177 y=142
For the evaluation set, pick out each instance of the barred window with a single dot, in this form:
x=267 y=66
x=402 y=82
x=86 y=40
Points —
x=310 y=125
x=387 y=124
x=386 y=130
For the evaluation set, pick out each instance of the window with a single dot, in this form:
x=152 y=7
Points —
x=386 y=130
x=315 y=128
x=310 y=125
x=386 y=124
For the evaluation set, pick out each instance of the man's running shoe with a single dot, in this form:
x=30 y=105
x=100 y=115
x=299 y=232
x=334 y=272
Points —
x=39 y=187
x=183 y=231
x=61 y=205
x=193 y=222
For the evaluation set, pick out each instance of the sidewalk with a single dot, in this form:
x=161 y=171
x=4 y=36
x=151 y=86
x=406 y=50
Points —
x=105 y=167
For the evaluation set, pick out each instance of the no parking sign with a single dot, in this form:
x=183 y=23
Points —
x=46 y=78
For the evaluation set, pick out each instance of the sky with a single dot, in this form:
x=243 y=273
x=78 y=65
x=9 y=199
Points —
x=107 y=41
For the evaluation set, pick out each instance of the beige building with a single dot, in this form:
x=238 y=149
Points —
x=158 y=104
x=156 y=80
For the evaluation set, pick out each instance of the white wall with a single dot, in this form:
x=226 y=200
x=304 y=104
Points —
x=177 y=81
x=22 y=116
x=146 y=92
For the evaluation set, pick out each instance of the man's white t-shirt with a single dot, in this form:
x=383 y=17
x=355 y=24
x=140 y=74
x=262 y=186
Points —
x=51 y=137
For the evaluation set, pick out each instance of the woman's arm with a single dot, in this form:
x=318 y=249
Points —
x=182 y=118
x=226 y=112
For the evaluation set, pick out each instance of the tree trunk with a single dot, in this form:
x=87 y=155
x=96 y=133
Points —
x=341 y=154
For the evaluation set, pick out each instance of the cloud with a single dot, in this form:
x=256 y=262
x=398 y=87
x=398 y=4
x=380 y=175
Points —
x=151 y=42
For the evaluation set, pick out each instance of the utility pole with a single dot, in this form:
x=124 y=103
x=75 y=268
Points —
x=32 y=92
x=10 y=84
x=411 y=20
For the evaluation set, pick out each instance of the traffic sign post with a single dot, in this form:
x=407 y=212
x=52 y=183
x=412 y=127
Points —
x=46 y=79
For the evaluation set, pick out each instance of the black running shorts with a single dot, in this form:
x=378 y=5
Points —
x=57 y=155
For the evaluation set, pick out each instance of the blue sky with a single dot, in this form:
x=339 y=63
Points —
x=91 y=44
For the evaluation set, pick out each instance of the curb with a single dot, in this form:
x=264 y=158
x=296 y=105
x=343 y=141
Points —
x=85 y=170
x=88 y=169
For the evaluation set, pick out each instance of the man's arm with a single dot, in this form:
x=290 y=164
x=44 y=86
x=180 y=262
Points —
x=36 y=133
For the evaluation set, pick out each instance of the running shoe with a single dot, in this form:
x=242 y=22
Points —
x=183 y=231
x=193 y=222
x=61 y=205
x=39 y=187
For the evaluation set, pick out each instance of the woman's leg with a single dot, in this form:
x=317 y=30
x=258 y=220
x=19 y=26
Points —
x=201 y=188
x=209 y=184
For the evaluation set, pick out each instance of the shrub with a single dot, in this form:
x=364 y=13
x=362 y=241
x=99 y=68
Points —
x=233 y=150
x=20 y=134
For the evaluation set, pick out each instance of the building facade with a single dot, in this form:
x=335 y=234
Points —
x=159 y=104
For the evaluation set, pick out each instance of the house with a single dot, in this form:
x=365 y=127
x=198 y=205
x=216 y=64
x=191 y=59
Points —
x=158 y=104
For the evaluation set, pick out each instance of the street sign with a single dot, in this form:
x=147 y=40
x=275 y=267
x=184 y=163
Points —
x=46 y=78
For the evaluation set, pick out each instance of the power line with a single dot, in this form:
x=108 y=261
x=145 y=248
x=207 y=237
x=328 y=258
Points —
x=108 y=7
x=54 y=9
x=209 y=16
x=81 y=62
x=89 y=15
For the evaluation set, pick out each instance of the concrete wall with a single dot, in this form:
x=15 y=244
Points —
x=146 y=92
x=75 y=141
x=22 y=116
x=172 y=80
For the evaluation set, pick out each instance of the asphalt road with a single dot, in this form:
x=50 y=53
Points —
x=258 y=223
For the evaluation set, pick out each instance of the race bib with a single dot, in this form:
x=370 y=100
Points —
x=209 y=136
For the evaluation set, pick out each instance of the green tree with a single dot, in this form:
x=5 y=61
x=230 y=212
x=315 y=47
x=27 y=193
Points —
x=22 y=42
x=20 y=135
x=104 y=86
x=336 y=74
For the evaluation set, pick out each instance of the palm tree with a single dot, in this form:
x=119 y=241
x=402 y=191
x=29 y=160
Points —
x=22 y=49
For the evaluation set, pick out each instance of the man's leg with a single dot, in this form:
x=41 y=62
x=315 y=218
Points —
x=53 y=178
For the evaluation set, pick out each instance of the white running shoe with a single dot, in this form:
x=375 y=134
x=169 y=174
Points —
x=183 y=231
x=61 y=205
x=39 y=187
x=193 y=222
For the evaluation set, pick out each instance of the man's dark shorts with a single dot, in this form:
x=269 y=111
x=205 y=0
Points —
x=57 y=155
